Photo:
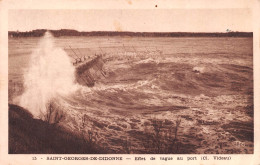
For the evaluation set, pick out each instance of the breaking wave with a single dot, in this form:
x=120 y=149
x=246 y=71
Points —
x=49 y=76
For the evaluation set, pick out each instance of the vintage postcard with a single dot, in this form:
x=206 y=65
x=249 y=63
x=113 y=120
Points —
x=132 y=82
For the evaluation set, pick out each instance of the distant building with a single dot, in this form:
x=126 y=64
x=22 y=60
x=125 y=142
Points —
x=228 y=30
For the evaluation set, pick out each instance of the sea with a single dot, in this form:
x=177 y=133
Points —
x=203 y=86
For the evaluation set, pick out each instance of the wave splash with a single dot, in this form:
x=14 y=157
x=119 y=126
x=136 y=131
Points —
x=50 y=75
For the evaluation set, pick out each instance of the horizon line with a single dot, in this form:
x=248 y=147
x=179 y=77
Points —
x=132 y=31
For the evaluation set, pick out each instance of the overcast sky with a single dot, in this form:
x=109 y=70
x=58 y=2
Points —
x=137 y=20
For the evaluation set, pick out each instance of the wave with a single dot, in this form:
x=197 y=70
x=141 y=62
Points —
x=49 y=75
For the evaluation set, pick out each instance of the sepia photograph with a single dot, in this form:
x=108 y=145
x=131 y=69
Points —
x=150 y=81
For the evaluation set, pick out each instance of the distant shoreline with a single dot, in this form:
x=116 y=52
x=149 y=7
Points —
x=69 y=32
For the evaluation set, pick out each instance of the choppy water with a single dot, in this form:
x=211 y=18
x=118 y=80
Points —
x=205 y=82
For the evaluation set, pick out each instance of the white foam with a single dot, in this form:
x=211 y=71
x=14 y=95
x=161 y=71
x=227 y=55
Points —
x=50 y=74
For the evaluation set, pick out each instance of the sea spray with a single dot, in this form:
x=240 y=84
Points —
x=49 y=76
